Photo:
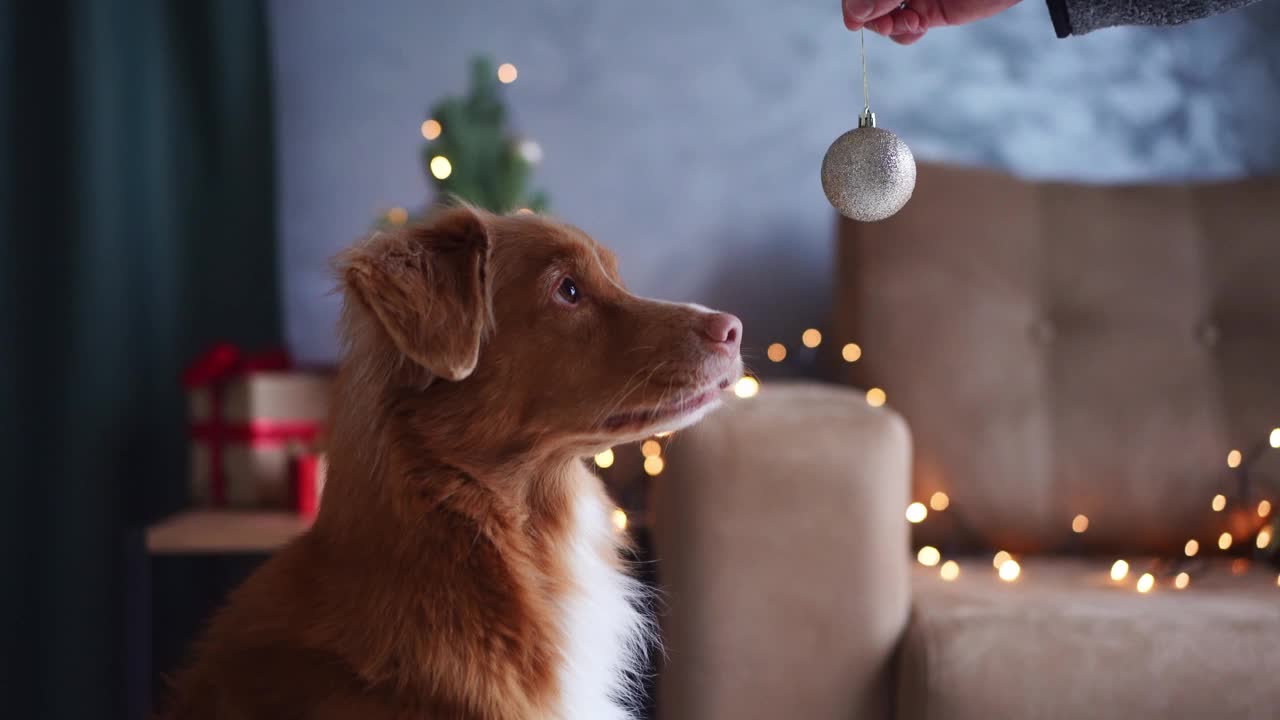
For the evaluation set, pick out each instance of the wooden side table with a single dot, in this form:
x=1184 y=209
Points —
x=179 y=571
x=224 y=532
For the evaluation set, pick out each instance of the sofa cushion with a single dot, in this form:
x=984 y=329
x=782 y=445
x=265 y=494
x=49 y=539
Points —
x=781 y=552
x=1064 y=641
x=1061 y=349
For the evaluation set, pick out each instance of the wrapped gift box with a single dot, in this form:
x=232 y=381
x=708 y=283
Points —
x=251 y=417
x=308 y=482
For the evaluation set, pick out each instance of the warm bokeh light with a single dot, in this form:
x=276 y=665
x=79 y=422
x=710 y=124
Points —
x=929 y=556
x=531 y=151
x=619 y=518
x=1000 y=558
x=777 y=352
x=441 y=168
x=876 y=397
x=939 y=501
x=1278 y=580
x=851 y=352
x=431 y=129
x=666 y=433
x=746 y=387
x=1010 y=570
x=1182 y=581
x=1224 y=541
x=1264 y=508
x=950 y=570
x=1192 y=547
x=1219 y=502
x=397 y=216
x=1264 y=538
x=605 y=459
x=811 y=338
x=1079 y=524
x=507 y=73
x=1119 y=570
x=653 y=465
x=651 y=448
x=1275 y=438
x=1233 y=459
x=1146 y=582
x=917 y=512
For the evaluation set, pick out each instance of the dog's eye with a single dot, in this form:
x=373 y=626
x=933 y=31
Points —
x=569 y=291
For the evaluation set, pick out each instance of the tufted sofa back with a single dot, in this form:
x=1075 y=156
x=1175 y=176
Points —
x=1063 y=349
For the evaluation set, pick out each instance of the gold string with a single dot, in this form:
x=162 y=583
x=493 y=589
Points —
x=866 y=89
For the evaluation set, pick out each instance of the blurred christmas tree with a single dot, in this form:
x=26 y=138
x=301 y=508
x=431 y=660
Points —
x=470 y=152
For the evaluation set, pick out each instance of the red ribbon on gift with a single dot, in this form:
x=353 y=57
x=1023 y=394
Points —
x=214 y=369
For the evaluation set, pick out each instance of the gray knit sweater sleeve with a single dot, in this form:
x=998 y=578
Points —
x=1077 y=17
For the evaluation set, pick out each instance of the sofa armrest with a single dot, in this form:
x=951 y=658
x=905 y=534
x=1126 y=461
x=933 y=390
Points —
x=784 y=557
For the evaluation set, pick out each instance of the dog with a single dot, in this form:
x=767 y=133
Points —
x=463 y=564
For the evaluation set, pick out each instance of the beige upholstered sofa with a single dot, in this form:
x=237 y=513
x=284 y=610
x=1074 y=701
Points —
x=1047 y=350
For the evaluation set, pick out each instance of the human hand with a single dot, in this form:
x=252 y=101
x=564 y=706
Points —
x=909 y=24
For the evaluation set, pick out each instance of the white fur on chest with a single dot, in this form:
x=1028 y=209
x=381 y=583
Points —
x=605 y=635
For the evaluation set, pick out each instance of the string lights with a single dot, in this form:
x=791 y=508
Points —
x=441 y=168
x=746 y=387
x=654 y=465
x=1007 y=568
x=1079 y=524
x=876 y=397
x=619 y=519
x=929 y=556
x=1146 y=582
x=1262 y=537
x=604 y=459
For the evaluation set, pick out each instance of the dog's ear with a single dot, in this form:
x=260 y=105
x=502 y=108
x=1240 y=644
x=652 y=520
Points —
x=427 y=286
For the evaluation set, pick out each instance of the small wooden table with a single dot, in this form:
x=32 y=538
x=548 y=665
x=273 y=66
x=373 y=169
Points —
x=224 y=532
x=228 y=542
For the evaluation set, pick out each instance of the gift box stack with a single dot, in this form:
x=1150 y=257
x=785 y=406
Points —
x=256 y=426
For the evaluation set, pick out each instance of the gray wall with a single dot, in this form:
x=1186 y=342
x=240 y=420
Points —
x=687 y=134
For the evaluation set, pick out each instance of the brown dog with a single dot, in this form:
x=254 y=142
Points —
x=462 y=564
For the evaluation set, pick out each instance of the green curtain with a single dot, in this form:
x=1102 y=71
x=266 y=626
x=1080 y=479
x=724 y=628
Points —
x=136 y=227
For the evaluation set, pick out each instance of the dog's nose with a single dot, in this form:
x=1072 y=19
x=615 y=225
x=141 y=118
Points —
x=724 y=330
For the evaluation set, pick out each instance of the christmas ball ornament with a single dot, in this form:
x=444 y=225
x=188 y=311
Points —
x=868 y=173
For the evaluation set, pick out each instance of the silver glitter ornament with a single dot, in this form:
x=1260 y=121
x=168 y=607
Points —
x=868 y=173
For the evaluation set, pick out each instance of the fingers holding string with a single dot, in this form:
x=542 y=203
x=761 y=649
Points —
x=900 y=24
x=858 y=13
